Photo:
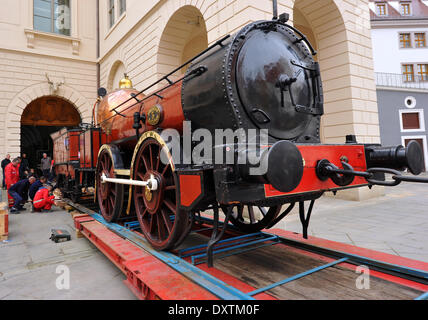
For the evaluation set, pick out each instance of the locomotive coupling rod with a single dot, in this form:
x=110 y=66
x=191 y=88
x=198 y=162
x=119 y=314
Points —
x=150 y=183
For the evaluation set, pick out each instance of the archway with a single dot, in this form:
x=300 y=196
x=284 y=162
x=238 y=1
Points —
x=323 y=24
x=117 y=72
x=184 y=36
x=40 y=119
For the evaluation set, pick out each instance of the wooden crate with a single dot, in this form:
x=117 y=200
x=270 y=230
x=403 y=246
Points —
x=4 y=226
x=3 y=208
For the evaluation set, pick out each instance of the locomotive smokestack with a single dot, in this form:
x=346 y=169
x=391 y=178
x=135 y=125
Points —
x=275 y=9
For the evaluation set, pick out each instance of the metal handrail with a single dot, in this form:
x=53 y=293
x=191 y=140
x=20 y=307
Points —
x=401 y=80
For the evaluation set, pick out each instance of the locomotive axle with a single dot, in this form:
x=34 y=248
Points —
x=151 y=184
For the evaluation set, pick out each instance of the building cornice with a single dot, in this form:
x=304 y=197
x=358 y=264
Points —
x=401 y=89
x=398 y=23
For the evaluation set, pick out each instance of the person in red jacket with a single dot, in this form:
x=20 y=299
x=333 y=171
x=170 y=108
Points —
x=11 y=174
x=42 y=201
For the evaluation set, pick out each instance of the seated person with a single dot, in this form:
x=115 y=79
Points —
x=19 y=193
x=42 y=201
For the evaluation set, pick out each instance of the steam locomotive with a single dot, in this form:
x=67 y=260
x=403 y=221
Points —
x=264 y=78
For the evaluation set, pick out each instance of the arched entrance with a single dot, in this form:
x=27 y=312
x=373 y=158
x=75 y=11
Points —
x=323 y=24
x=40 y=118
x=184 y=36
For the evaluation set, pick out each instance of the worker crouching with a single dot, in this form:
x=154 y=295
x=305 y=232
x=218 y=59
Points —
x=42 y=201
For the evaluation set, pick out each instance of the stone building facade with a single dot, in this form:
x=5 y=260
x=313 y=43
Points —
x=146 y=39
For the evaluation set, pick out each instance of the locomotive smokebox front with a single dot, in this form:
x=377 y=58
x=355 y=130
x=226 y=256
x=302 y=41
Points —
x=263 y=78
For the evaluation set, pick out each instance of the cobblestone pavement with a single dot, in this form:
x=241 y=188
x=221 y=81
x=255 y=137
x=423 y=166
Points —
x=396 y=223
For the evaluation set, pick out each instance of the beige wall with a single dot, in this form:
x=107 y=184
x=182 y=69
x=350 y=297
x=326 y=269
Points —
x=153 y=36
x=27 y=55
x=340 y=29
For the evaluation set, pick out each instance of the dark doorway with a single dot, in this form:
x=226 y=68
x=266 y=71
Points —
x=40 y=119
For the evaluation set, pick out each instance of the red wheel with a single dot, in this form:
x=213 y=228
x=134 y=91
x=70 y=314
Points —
x=110 y=196
x=161 y=221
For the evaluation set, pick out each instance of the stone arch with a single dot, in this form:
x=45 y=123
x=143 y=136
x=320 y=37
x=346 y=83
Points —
x=341 y=37
x=184 y=36
x=31 y=93
x=116 y=73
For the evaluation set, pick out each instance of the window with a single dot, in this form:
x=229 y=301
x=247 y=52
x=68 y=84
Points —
x=122 y=6
x=111 y=12
x=52 y=16
x=420 y=41
x=381 y=9
x=412 y=120
x=405 y=8
x=408 y=74
x=423 y=72
x=405 y=40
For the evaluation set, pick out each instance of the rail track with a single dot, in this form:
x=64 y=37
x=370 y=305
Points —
x=276 y=265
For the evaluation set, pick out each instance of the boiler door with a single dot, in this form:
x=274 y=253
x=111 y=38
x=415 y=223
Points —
x=263 y=60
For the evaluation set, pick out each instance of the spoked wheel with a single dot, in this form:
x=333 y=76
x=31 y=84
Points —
x=161 y=221
x=248 y=218
x=110 y=195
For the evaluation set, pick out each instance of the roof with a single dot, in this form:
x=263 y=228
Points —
x=419 y=10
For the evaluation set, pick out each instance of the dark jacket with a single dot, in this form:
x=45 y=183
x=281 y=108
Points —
x=21 y=187
x=25 y=166
x=34 y=188
x=4 y=163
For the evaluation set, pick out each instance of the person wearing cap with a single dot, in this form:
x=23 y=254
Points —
x=19 y=193
x=42 y=201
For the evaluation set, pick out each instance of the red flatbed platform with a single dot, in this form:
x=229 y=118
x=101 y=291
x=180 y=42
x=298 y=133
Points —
x=166 y=276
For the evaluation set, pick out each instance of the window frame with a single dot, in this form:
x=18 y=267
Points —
x=121 y=7
x=404 y=4
x=422 y=76
x=416 y=41
x=405 y=74
x=111 y=7
x=400 y=41
x=52 y=19
x=420 y=112
x=385 y=8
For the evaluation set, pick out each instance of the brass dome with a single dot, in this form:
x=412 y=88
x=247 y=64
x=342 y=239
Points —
x=125 y=83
